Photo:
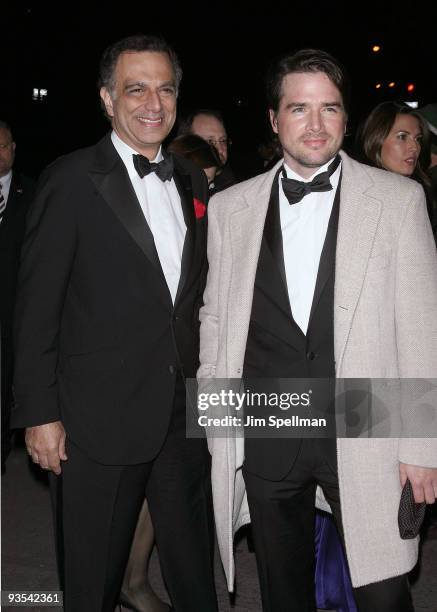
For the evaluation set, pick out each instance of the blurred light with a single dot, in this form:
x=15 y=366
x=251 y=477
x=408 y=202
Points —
x=411 y=87
x=378 y=86
x=392 y=84
x=412 y=104
x=38 y=94
x=376 y=48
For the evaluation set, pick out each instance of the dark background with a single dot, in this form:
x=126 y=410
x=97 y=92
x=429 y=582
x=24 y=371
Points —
x=224 y=49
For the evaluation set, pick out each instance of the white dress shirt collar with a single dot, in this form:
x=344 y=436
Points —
x=126 y=152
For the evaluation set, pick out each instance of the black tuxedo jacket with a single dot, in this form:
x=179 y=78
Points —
x=276 y=346
x=98 y=340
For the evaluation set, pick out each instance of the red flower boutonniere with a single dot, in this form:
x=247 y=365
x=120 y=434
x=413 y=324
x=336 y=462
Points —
x=199 y=208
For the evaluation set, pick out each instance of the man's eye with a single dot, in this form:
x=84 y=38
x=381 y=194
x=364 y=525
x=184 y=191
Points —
x=169 y=91
x=298 y=109
x=135 y=90
x=331 y=109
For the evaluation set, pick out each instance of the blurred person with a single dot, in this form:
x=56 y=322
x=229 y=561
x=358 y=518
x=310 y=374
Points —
x=16 y=193
x=209 y=125
x=106 y=331
x=429 y=114
x=304 y=263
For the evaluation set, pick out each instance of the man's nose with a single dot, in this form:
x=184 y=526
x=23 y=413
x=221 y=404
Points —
x=222 y=149
x=153 y=101
x=315 y=121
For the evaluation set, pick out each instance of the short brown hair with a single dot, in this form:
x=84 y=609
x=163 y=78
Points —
x=306 y=60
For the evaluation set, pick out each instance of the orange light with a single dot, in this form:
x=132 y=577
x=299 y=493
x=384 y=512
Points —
x=411 y=87
x=378 y=86
x=392 y=84
x=376 y=48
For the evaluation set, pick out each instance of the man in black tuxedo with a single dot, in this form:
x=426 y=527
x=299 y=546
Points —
x=16 y=192
x=112 y=276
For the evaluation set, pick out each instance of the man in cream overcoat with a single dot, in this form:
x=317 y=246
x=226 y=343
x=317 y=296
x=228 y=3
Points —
x=320 y=267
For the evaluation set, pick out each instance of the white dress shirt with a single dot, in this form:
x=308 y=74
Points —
x=304 y=227
x=161 y=206
x=6 y=184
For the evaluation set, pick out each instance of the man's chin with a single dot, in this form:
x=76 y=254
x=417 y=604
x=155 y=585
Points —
x=316 y=160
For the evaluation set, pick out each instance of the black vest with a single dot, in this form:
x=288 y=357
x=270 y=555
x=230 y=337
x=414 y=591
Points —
x=276 y=346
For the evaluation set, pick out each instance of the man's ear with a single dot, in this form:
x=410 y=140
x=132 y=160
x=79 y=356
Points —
x=107 y=101
x=273 y=120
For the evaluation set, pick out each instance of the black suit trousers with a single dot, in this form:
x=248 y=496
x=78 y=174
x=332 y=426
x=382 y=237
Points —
x=283 y=517
x=99 y=506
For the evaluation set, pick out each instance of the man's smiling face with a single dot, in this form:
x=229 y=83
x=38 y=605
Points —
x=142 y=105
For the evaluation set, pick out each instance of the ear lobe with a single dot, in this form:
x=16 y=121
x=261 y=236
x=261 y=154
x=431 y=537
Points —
x=273 y=121
x=107 y=101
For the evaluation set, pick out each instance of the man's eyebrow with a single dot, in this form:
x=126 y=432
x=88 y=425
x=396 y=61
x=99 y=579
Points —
x=145 y=84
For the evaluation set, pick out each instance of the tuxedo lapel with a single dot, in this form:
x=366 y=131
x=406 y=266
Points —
x=111 y=179
x=183 y=184
x=327 y=257
x=272 y=251
x=358 y=221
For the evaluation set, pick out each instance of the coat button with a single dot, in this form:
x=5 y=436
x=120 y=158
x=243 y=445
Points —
x=171 y=369
x=311 y=355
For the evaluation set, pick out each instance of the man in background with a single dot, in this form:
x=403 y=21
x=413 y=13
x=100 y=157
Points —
x=209 y=125
x=16 y=192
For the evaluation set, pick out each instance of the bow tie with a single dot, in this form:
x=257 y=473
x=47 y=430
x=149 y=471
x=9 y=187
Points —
x=296 y=190
x=163 y=169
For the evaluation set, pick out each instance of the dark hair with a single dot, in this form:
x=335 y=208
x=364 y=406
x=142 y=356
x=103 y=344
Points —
x=134 y=44
x=377 y=127
x=186 y=124
x=193 y=147
x=6 y=126
x=306 y=60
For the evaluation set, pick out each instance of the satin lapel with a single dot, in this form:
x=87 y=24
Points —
x=357 y=225
x=111 y=179
x=183 y=184
x=327 y=257
x=273 y=236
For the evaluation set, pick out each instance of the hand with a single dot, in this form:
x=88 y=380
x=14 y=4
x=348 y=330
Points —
x=46 y=445
x=423 y=481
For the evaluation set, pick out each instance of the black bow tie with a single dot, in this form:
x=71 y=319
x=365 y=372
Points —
x=296 y=190
x=163 y=169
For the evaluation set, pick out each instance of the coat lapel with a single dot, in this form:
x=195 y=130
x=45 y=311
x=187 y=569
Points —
x=110 y=177
x=357 y=225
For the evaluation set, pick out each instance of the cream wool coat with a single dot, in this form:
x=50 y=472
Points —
x=385 y=326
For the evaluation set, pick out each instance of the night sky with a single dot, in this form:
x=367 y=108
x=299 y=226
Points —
x=224 y=50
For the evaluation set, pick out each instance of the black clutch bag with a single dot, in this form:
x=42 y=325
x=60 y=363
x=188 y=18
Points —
x=410 y=515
